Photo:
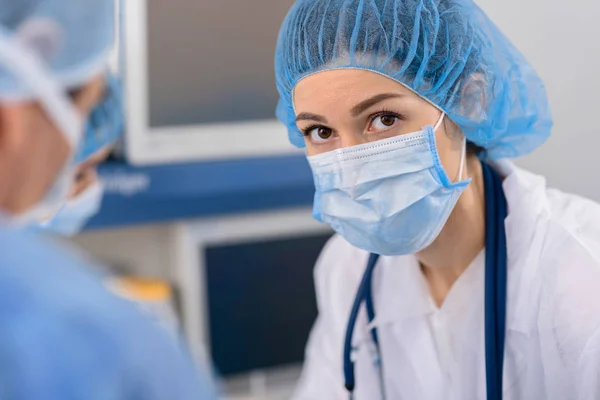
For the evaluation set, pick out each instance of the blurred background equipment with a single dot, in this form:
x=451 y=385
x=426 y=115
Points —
x=153 y=296
x=200 y=79
x=245 y=284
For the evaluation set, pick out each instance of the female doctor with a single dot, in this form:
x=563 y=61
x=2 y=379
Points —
x=453 y=274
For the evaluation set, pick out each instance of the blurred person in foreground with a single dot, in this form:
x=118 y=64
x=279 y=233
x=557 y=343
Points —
x=62 y=335
x=103 y=129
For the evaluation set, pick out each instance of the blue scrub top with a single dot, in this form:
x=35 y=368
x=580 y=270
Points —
x=64 y=337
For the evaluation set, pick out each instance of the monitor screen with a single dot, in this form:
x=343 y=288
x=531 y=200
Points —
x=212 y=61
x=261 y=302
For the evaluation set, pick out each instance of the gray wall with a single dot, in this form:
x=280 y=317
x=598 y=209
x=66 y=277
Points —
x=562 y=40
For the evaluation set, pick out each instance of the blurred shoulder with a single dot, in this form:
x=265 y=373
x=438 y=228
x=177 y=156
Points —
x=58 y=325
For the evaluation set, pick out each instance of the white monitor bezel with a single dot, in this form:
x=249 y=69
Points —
x=145 y=145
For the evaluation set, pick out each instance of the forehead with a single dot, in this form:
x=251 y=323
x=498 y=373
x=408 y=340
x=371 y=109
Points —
x=340 y=86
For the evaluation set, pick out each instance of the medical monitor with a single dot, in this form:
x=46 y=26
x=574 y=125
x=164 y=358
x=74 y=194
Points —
x=249 y=299
x=200 y=81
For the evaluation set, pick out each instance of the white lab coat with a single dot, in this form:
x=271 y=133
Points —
x=553 y=312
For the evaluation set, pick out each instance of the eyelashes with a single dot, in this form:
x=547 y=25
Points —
x=387 y=120
x=306 y=131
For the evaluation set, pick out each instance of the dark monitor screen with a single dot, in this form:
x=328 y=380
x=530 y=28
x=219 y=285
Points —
x=261 y=301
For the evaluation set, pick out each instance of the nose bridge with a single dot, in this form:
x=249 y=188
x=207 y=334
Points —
x=349 y=137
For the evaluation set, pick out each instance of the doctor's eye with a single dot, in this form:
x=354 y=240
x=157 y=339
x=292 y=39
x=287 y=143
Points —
x=318 y=134
x=383 y=121
x=75 y=93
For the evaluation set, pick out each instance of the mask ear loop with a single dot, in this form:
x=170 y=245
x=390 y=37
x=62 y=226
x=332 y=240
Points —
x=463 y=157
x=463 y=153
x=439 y=123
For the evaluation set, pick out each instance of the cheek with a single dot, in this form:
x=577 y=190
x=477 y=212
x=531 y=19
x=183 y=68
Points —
x=43 y=155
x=312 y=150
x=57 y=147
x=53 y=148
x=309 y=148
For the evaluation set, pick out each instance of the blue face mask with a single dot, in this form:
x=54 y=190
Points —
x=76 y=212
x=390 y=197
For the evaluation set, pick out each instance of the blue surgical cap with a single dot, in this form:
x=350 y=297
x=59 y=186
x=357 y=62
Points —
x=446 y=51
x=72 y=37
x=106 y=122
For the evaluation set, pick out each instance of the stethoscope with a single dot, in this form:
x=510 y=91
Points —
x=495 y=294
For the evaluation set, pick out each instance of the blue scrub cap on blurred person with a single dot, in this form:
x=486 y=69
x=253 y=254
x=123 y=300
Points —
x=447 y=51
x=46 y=48
x=106 y=122
x=72 y=37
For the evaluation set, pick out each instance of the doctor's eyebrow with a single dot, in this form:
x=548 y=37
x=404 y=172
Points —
x=305 y=116
x=355 y=111
x=370 y=102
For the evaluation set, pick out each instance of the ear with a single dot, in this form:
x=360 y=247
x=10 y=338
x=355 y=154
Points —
x=473 y=96
x=452 y=129
x=12 y=125
x=91 y=95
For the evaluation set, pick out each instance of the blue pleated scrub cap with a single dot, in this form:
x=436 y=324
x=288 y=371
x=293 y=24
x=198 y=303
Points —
x=446 y=51
x=72 y=38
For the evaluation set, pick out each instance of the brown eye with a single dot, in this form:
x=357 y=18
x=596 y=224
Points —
x=75 y=93
x=324 y=133
x=388 y=120
x=383 y=122
x=320 y=134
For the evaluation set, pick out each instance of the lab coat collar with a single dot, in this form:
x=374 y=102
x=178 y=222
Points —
x=528 y=210
x=400 y=289
x=401 y=293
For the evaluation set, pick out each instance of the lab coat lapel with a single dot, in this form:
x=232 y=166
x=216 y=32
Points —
x=519 y=189
x=401 y=323
x=472 y=380
x=527 y=202
x=426 y=377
